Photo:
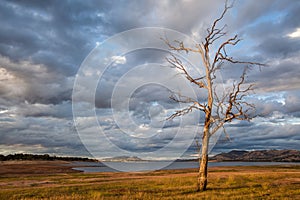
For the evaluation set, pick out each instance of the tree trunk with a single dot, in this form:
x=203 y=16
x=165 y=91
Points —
x=202 y=176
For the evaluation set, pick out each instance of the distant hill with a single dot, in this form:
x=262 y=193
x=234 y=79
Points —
x=21 y=156
x=122 y=159
x=259 y=156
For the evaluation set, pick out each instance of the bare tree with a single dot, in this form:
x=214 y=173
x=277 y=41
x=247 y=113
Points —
x=218 y=109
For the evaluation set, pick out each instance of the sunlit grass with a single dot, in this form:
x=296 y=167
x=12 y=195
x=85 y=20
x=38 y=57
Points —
x=224 y=183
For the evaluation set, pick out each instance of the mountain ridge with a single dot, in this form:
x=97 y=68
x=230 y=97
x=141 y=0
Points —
x=259 y=156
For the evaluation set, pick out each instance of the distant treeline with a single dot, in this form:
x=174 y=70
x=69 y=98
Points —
x=21 y=156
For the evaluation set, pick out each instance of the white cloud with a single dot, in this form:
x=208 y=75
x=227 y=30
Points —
x=118 y=60
x=295 y=34
x=3 y=111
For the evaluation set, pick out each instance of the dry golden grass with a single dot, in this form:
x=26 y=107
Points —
x=272 y=182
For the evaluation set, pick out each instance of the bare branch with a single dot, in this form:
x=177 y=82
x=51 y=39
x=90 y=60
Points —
x=184 y=111
x=231 y=105
x=221 y=55
x=213 y=32
x=180 y=46
x=216 y=128
x=177 y=63
x=184 y=99
x=218 y=34
x=235 y=101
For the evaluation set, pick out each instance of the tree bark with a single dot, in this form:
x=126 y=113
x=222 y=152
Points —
x=202 y=176
x=203 y=162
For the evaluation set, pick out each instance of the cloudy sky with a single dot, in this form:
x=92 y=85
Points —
x=121 y=82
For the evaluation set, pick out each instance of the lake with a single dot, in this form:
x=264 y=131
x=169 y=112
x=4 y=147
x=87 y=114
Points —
x=156 y=165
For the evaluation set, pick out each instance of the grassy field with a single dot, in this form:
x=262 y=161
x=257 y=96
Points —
x=51 y=181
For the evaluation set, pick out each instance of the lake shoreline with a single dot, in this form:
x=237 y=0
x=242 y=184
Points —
x=28 y=168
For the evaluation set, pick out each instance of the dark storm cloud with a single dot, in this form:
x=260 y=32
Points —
x=273 y=32
x=43 y=43
x=52 y=31
x=265 y=26
x=49 y=36
x=275 y=47
x=62 y=110
x=27 y=82
x=115 y=71
x=292 y=103
x=60 y=34
x=280 y=75
x=260 y=137
x=267 y=16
